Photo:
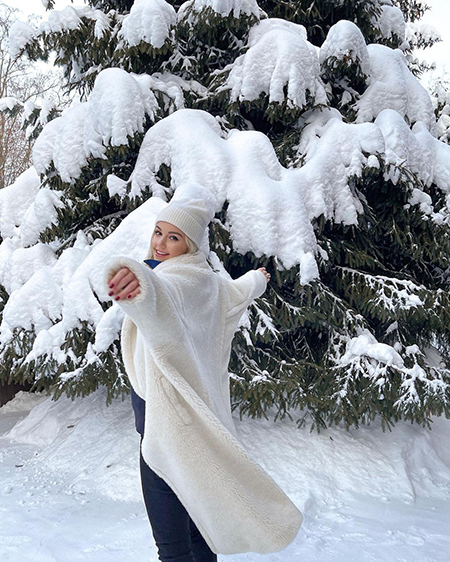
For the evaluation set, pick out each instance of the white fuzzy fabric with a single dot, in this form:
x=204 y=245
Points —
x=176 y=342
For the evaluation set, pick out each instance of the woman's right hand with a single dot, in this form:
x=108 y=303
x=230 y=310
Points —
x=124 y=285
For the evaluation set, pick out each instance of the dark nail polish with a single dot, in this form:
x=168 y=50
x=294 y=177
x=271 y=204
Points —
x=117 y=298
x=110 y=293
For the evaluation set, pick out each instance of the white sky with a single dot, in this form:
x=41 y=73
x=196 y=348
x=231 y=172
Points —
x=438 y=16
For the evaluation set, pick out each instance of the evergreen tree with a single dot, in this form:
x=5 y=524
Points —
x=316 y=162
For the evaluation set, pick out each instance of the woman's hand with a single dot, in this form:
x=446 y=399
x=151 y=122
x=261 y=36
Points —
x=264 y=272
x=124 y=285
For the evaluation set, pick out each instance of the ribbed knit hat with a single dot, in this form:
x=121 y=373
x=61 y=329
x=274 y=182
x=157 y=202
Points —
x=191 y=216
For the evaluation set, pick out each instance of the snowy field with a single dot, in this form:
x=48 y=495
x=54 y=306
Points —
x=69 y=486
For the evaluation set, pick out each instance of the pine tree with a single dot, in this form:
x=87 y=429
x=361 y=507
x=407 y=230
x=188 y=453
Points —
x=321 y=152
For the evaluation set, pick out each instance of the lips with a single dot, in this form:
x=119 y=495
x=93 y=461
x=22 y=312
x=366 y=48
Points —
x=159 y=253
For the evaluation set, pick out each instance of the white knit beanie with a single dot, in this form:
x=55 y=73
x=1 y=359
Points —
x=191 y=216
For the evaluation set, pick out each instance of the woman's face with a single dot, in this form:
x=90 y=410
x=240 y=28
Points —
x=168 y=241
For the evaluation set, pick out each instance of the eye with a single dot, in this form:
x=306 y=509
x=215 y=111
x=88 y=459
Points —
x=175 y=238
x=157 y=233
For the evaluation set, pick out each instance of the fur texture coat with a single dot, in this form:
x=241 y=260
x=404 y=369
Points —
x=176 y=343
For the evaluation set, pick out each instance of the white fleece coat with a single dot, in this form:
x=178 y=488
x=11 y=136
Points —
x=176 y=342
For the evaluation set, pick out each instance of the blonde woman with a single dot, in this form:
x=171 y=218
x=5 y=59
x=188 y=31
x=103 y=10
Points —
x=204 y=494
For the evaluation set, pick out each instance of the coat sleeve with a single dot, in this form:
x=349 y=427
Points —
x=243 y=291
x=155 y=309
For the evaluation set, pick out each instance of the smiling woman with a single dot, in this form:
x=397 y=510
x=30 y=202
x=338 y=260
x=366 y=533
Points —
x=168 y=242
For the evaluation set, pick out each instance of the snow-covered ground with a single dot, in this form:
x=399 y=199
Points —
x=69 y=486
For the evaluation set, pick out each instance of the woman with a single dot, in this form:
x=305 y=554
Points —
x=204 y=494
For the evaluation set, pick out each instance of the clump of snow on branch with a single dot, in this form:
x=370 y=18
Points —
x=393 y=86
x=40 y=215
x=9 y=103
x=20 y=34
x=220 y=7
x=60 y=21
x=70 y=18
x=366 y=357
x=366 y=344
x=419 y=34
x=345 y=42
x=149 y=21
x=280 y=63
x=441 y=103
x=391 y=22
x=417 y=149
x=15 y=200
x=61 y=143
x=117 y=109
x=22 y=265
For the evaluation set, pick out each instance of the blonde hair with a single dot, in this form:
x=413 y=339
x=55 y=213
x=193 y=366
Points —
x=192 y=247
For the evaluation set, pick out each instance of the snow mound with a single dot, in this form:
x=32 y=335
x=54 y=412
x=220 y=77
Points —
x=116 y=110
x=393 y=86
x=15 y=200
x=391 y=23
x=280 y=63
x=417 y=149
x=20 y=34
x=220 y=7
x=345 y=41
x=149 y=21
x=96 y=448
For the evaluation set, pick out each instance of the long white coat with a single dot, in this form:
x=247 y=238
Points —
x=176 y=342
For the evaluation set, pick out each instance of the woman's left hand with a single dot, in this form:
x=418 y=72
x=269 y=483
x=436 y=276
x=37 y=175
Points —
x=264 y=272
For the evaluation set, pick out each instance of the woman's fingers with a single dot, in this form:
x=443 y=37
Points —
x=114 y=281
x=133 y=293
x=264 y=272
x=128 y=289
x=124 y=283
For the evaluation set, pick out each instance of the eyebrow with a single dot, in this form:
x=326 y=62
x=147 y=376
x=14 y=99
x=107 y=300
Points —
x=170 y=231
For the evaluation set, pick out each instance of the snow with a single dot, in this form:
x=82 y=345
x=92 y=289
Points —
x=366 y=344
x=345 y=41
x=20 y=34
x=391 y=23
x=242 y=168
x=149 y=21
x=9 y=103
x=221 y=7
x=417 y=149
x=116 y=111
x=416 y=30
x=64 y=20
x=393 y=86
x=70 y=486
x=15 y=199
x=279 y=63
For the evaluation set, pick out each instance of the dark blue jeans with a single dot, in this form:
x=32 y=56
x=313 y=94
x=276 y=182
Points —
x=175 y=534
